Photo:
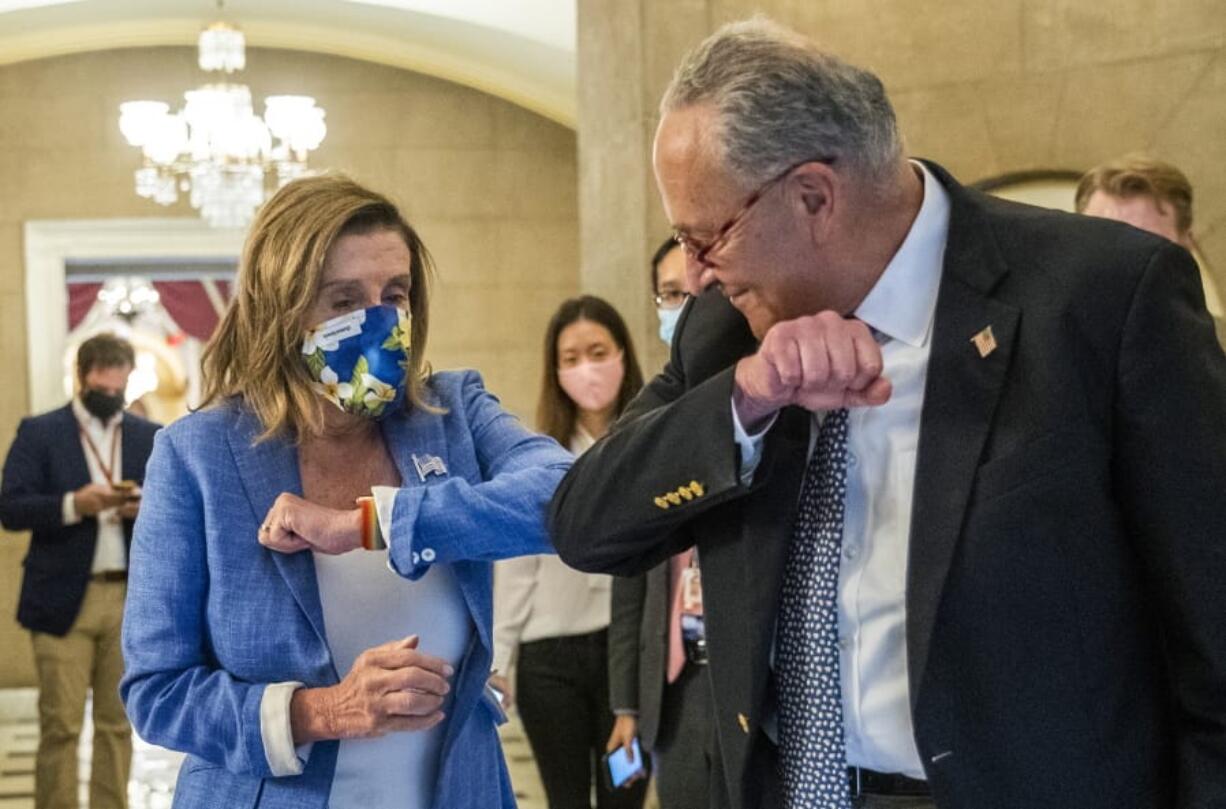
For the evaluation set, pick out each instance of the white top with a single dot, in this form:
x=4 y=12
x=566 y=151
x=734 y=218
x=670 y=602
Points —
x=110 y=553
x=882 y=443
x=538 y=597
x=366 y=604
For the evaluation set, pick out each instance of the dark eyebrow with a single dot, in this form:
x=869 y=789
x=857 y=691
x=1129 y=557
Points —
x=404 y=279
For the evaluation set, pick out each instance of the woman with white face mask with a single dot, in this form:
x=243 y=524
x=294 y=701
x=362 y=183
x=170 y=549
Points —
x=550 y=621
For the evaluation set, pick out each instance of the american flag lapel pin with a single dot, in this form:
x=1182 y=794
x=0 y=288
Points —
x=427 y=465
x=985 y=342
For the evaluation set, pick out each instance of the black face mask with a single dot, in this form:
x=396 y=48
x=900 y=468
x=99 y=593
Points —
x=102 y=405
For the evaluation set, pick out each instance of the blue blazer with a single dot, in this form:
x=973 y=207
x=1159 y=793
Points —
x=45 y=462
x=213 y=617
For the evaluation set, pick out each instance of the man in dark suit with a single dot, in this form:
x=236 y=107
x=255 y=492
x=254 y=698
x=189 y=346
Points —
x=953 y=466
x=72 y=477
x=658 y=683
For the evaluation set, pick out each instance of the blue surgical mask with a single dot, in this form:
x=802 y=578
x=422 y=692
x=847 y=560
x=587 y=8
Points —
x=359 y=361
x=668 y=323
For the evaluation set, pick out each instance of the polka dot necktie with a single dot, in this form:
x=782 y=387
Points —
x=813 y=758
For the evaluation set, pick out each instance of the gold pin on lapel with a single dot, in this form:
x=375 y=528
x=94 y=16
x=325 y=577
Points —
x=985 y=342
x=744 y=722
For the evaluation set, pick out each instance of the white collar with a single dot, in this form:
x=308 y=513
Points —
x=902 y=303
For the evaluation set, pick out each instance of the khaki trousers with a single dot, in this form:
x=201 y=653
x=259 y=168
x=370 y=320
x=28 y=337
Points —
x=87 y=657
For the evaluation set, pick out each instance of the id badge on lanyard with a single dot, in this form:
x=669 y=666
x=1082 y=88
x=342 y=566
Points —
x=691 y=602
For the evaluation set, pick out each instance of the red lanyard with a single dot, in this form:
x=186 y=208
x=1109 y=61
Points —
x=107 y=470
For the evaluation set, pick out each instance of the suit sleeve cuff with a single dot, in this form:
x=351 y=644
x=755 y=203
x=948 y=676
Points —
x=69 y=510
x=749 y=445
x=276 y=732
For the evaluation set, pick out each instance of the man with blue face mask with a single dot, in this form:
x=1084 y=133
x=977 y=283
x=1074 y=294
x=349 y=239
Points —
x=668 y=283
x=660 y=689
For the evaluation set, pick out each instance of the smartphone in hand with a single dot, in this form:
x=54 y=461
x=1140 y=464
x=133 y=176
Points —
x=128 y=489
x=619 y=766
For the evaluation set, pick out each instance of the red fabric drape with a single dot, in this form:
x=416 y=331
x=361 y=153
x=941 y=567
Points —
x=189 y=306
x=81 y=298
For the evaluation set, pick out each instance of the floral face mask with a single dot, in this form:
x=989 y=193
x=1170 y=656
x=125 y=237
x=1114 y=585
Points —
x=359 y=361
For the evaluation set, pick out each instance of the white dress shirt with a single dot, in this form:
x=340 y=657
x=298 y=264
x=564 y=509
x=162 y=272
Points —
x=538 y=597
x=882 y=443
x=111 y=552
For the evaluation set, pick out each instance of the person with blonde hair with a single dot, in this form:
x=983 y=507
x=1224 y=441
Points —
x=305 y=652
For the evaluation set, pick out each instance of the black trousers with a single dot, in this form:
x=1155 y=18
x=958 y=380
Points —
x=562 y=689
x=688 y=772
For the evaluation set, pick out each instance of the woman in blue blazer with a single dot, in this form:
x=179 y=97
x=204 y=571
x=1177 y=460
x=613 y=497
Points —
x=303 y=668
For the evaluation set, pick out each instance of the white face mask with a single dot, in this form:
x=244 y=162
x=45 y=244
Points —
x=593 y=386
x=668 y=323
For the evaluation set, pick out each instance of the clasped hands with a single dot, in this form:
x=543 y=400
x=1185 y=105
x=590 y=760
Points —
x=818 y=362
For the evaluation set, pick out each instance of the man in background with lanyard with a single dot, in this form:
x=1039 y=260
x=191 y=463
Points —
x=660 y=690
x=72 y=477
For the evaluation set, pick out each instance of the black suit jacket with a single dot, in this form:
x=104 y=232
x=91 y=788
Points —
x=45 y=461
x=638 y=648
x=1066 y=580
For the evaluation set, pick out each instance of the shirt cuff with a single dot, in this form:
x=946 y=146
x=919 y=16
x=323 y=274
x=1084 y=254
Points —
x=501 y=664
x=749 y=445
x=276 y=732
x=69 y=510
x=625 y=712
x=385 y=504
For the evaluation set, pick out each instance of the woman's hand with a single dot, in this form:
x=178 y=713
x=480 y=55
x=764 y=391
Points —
x=503 y=685
x=391 y=688
x=294 y=524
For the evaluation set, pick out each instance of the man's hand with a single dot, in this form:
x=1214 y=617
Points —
x=95 y=497
x=820 y=362
x=625 y=728
x=293 y=524
x=130 y=508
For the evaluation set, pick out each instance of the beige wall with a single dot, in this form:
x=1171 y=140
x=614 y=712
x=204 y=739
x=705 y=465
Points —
x=984 y=88
x=490 y=186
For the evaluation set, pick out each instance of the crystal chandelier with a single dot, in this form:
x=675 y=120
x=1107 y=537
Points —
x=216 y=148
x=128 y=298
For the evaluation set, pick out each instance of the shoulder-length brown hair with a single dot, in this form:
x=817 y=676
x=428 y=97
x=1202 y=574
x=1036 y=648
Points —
x=555 y=412
x=255 y=351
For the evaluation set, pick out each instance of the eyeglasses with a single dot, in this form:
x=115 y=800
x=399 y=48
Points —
x=700 y=250
x=670 y=299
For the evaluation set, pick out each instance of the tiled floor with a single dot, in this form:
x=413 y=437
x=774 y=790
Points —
x=154 y=769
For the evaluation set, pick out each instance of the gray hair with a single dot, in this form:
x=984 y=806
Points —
x=780 y=101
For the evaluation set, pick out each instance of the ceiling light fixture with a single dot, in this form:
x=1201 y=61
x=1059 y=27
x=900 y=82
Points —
x=216 y=148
